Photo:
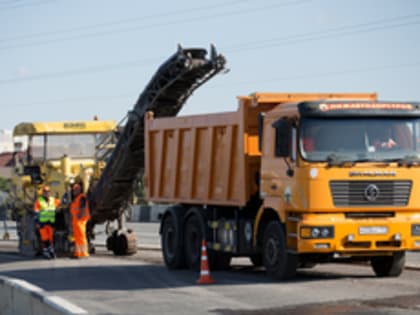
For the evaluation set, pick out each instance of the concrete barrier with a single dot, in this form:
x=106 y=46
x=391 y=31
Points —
x=20 y=297
x=143 y=213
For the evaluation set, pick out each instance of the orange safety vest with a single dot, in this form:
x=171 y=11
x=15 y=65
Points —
x=78 y=213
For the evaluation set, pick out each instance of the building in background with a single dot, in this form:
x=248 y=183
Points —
x=6 y=141
x=7 y=147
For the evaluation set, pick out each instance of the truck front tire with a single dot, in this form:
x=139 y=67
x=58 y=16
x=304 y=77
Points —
x=388 y=266
x=279 y=264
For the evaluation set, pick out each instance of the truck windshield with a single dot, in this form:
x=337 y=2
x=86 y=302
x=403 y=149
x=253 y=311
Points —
x=340 y=140
x=72 y=145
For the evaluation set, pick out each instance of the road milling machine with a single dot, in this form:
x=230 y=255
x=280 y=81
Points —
x=58 y=154
x=108 y=159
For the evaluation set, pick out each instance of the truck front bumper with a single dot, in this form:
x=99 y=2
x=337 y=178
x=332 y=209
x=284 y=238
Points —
x=336 y=233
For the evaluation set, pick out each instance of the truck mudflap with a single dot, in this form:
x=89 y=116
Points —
x=165 y=94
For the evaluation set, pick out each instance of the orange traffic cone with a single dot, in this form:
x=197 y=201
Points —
x=205 y=277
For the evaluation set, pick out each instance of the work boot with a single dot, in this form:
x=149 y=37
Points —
x=51 y=252
x=46 y=253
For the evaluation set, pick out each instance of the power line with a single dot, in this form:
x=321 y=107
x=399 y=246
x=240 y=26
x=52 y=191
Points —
x=73 y=100
x=18 y=6
x=88 y=70
x=336 y=32
x=332 y=73
x=272 y=79
x=292 y=42
x=118 y=22
x=143 y=27
x=3 y=2
x=284 y=41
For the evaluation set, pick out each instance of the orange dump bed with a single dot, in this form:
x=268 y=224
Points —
x=207 y=159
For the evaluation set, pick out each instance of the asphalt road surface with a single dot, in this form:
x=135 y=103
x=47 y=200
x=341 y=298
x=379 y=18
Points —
x=141 y=284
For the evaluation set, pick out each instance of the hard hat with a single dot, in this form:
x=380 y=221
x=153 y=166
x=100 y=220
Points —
x=76 y=187
x=46 y=189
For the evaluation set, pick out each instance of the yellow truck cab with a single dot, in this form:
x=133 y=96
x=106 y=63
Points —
x=289 y=180
x=341 y=175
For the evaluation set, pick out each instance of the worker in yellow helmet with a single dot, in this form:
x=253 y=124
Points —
x=80 y=215
x=45 y=207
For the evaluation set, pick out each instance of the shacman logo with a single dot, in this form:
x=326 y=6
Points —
x=372 y=192
x=75 y=125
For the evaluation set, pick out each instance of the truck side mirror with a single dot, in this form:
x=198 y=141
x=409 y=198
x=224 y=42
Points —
x=283 y=138
x=260 y=130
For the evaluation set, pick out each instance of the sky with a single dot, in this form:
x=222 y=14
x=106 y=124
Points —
x=71 y=60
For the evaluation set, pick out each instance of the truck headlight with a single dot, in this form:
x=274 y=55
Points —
x=313 y=232
x=415 y=229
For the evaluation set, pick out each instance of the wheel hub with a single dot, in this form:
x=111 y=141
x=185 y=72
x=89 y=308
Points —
x=169 y=242
x=271 y=251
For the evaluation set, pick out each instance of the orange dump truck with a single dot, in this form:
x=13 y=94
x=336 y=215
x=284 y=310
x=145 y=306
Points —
x=289 y=180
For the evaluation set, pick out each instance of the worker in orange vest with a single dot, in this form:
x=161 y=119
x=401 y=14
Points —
x=80 y=215
x=45 y=207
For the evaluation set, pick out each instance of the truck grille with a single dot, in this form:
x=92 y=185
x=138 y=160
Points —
x=370 y=193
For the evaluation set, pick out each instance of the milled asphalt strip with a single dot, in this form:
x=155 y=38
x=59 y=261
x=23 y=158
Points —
x=412 y=267
x=139 y=247
x=408 y=265
x=150 y=247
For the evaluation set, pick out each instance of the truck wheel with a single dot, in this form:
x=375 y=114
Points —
x=279 y=264
x=171 y=246
x=306 y=265
x=256 y=259
x=219 y=260
x=388 y=266
x=192 y=241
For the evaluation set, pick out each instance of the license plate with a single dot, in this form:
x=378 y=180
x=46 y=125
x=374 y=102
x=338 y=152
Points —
x=373 y=230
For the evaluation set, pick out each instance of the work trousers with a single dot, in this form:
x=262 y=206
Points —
x=80 y=240
x=47 y=234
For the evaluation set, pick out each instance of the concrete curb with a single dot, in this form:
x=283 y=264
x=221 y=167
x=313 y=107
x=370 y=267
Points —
x=20 y=297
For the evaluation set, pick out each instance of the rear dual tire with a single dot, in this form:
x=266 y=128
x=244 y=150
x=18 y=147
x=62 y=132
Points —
x=171 y=242
x=194 y=235
x=192 y=241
